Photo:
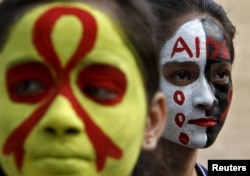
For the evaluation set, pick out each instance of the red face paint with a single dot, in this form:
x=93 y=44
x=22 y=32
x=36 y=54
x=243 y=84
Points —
x=19 y=79
x=105 y=77
x=179 y=97
x=180 y=119
x=184 y=47
x=103 y=145
x=183 y=138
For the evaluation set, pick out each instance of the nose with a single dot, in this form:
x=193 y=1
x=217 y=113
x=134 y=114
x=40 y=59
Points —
x=61 y=119
x=204 y=97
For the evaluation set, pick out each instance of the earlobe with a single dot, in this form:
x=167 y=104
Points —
x=155 y=122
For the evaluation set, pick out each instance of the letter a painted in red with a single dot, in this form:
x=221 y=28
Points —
x=183 y=47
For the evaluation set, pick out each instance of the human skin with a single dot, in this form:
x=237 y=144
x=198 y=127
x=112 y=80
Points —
x=58 y=115
x=196 y=80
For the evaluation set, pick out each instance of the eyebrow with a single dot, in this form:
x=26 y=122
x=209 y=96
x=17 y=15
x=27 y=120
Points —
x=184 y=64
x=222 y=64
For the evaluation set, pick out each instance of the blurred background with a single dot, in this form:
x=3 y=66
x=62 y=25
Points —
x=233 y=141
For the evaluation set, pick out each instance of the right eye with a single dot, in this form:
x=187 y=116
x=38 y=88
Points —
x=180 y=73
x=29 y=87
x=180 y=78
x=29 y=82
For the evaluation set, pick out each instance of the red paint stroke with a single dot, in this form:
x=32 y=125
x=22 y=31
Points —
x=183 y=47
x=216 y=48
x=197 y=46
x=180 y=119
x=103 y=146
x=105 y=77
x=224 y=50
x=179 y=97
x=183 y=138
x=24 y=75
x=219 y=49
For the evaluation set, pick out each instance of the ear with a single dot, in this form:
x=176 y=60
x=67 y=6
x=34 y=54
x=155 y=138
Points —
x=155 y=123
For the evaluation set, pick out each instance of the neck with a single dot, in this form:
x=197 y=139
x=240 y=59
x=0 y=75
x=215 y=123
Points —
x=178 y=160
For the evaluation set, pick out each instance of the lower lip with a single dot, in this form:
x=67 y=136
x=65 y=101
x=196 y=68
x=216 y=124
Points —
x=203 y=122
x=60 y=165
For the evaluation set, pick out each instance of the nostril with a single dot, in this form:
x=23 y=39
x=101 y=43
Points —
x=216 y=102
x=62 y=131
x=201 y=106
x=50 y=130
x=204 y=106
x=71 y=131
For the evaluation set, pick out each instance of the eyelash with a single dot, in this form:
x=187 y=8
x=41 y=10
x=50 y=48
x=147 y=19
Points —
x=103 y=84
x=182 y=74
x=221 y=77
x=31 y=82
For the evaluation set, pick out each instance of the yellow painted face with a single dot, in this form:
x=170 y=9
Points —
x=73 y=102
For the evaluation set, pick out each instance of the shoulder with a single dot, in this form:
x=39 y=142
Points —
x=201 y=170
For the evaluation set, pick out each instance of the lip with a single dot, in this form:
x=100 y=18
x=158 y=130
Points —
x=60 y=155
x=204 y=122
x=60 y=165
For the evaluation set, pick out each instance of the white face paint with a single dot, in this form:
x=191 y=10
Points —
x=185 y=86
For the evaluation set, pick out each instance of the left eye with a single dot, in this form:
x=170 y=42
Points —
x=101 y=93
x=221 y=77
x=104 y=84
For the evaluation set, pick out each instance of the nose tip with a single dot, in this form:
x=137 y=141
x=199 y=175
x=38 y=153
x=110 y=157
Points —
x=207 y=106
x=61 y=120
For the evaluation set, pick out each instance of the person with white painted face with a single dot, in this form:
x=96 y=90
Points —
x=196 y=63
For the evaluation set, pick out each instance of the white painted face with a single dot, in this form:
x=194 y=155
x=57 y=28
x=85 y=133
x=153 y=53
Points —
x=189 y=84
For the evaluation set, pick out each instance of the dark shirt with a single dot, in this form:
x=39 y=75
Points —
x=201 y=170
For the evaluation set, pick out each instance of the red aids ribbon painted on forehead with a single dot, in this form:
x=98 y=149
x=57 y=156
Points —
x=103 y=145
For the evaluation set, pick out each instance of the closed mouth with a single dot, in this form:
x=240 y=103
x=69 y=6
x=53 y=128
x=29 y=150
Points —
x=204 y=122
x=61 y=155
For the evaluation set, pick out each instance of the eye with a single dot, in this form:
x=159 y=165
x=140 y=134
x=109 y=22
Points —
x=180 y=73
x=101 y=92
x=29 y=82
x=182 y=76
x=220 y=73
x=221 y=77
x=102 y=83
x=29 y=87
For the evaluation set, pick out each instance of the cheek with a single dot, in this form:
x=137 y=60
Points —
x=177 y=97
x=226 y=102
x=12 y=115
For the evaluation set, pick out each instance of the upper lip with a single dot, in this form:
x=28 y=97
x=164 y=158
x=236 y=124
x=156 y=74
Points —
x=204 y=121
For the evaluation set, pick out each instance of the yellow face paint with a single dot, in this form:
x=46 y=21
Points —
x=74 y=101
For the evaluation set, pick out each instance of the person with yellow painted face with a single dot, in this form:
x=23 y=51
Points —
x=79 y=87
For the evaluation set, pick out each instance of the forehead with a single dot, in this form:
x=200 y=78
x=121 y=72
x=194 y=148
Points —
x=68 y=28
x=196 y=40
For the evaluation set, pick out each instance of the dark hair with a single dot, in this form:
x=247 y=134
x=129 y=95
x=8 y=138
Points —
x=169 y=11
x=134 y=17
